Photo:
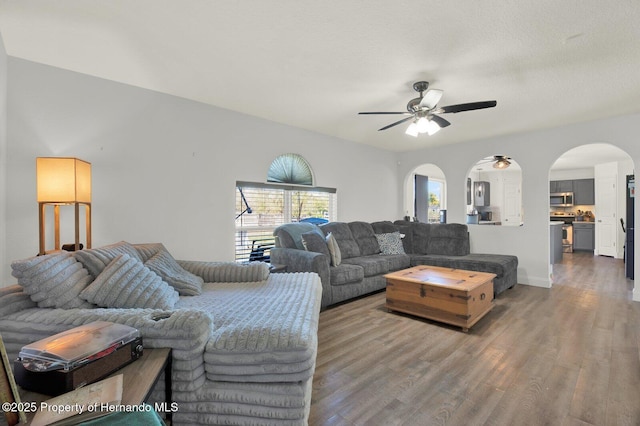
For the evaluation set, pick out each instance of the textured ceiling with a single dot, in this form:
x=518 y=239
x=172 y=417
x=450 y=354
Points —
x=315 y=64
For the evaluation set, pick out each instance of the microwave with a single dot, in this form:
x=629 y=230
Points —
x=561 y=199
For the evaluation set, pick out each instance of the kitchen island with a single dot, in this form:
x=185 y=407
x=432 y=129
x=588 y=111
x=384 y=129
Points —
x=555 y=230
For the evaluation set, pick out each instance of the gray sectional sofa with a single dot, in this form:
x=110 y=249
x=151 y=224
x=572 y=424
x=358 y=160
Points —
x=244 y=341
x=366 y=255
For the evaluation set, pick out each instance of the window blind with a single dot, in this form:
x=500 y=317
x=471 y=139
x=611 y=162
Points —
x=266 y=206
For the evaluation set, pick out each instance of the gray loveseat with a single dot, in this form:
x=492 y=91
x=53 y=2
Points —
x=244 y=342
x=364 y=263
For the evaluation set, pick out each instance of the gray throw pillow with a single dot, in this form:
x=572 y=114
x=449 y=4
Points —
x=390 y=243
x=127 y=283
x=53 y=280
x=334 y=250
x=313 y=241
x=95 y=260
x=146 y=250
x=164 y=265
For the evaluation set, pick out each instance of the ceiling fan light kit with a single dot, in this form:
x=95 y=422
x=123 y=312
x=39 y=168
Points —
x=422 y=125
x=412 y=130
x=424 y=109
x=502 y=162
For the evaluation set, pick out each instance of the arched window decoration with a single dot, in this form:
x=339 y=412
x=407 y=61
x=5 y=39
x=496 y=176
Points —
x=290 y=168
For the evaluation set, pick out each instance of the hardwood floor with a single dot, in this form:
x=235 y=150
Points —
x=562 y=356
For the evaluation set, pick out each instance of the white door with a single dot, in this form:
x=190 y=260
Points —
x=606 y=207
x=512 y=204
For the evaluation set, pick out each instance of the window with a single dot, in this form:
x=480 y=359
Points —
x=436 y=199
x=260 y=208
x=429 y=198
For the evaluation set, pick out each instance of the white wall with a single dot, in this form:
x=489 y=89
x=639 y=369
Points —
x=586 y=173
x=535 y=152
x=4 y=267
x=164 y=168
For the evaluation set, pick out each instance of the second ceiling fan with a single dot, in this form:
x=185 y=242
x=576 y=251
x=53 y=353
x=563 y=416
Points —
x=424 y=109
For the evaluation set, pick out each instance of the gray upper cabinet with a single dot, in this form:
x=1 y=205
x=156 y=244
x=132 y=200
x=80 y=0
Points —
x=561 y=186
x=584 y=191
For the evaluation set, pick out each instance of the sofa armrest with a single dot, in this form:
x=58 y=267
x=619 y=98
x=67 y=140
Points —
x=14 y=299
x=300 y=260
x=227 y=272
x=305 y=261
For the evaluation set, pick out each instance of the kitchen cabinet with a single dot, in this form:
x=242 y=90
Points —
x=481 y=194
x=583 y=236
x=584 y=192
x=561 y=186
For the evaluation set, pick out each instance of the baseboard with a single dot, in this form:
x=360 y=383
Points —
x=544 y=282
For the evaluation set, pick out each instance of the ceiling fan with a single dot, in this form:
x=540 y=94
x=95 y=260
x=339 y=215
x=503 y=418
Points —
x=423 y=111
x=499 y=161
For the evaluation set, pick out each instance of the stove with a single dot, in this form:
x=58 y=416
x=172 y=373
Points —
x=566 y=217
x=567 y=228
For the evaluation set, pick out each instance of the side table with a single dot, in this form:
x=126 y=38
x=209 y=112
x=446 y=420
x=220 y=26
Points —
x=138 y=380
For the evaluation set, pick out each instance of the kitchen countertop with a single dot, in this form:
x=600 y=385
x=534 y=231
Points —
x=556 y=222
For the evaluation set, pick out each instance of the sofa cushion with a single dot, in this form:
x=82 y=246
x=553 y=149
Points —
x=448 y=239
x=383 y=227
x=494 y=263
x=390 y=243
x=315 y=242
x=344 y=237
x=420 y=235
x=289 y=235
x=166 y=267
x=497 y=264
x=95 y=260
x=127 y=283
x=53 y=280
x=372 y=265
x=397 y=261
x=345 y=274
x=334 y=250
x=365 y=238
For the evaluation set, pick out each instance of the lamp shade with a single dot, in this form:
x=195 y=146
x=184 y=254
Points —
x=63 y=180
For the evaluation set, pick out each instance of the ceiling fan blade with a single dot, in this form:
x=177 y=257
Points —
x=440 y=121
x=378 y=112
x=466 y=107
x=396 y=123
x=431 y=98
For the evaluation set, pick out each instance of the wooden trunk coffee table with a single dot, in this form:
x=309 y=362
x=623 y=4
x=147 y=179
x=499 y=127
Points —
x=452 y=296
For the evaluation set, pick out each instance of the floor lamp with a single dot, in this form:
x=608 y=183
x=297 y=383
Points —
x=63 y=181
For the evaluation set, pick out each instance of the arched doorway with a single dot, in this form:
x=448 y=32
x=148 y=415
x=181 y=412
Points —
x=590 y=194
x=425 y=193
